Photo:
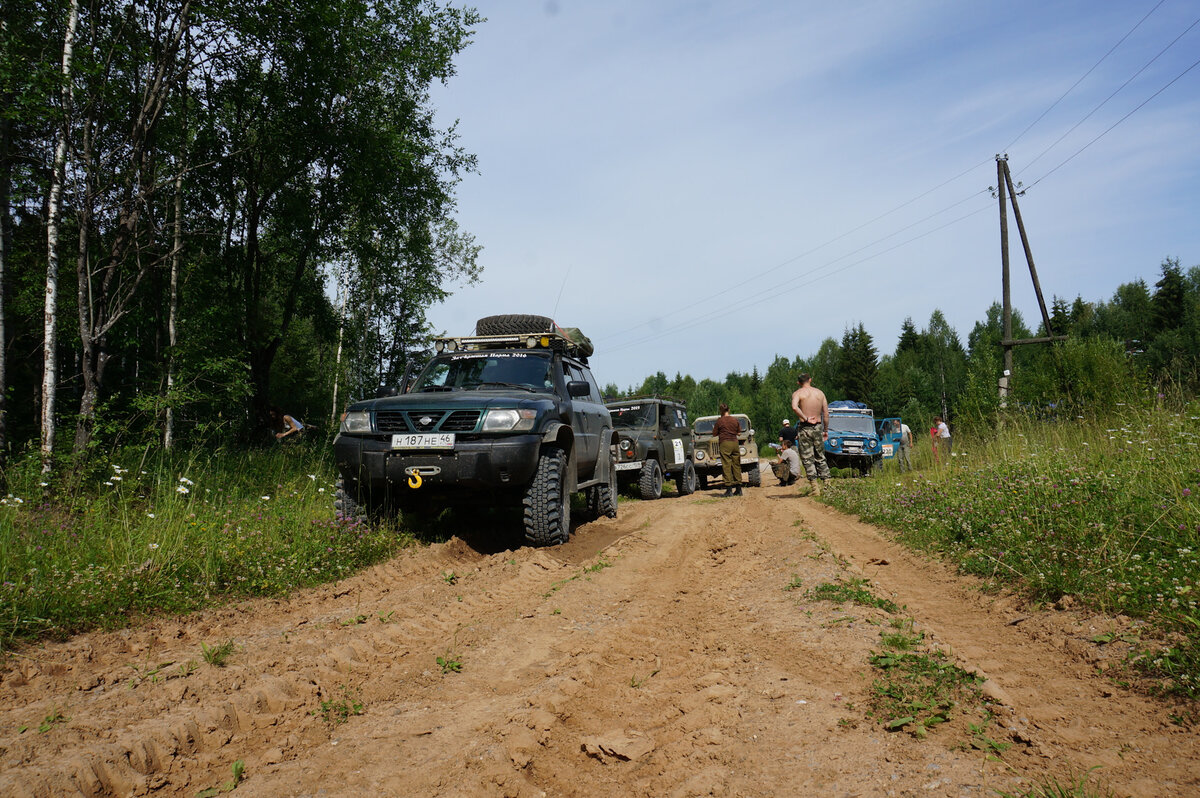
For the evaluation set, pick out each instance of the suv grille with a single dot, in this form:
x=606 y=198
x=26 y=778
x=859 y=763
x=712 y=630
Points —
x=461 y=421
x=390 y=421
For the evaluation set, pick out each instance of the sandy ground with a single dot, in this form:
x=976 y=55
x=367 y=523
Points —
x=681 y=668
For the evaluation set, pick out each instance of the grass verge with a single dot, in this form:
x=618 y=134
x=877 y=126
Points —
x=170 y=534
x=1105 y=511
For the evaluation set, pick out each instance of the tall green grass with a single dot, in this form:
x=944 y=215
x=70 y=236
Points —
x=1104 y=510
x=170 y=533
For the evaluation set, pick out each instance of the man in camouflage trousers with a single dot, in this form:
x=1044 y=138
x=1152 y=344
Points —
x=810 y=405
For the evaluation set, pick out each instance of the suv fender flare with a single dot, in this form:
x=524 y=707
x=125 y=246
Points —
x=560 y=435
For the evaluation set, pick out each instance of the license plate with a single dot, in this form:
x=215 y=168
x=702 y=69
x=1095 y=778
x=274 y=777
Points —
x=627 y=466
x=426 y=440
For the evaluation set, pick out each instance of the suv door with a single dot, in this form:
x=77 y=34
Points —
x=591 y=416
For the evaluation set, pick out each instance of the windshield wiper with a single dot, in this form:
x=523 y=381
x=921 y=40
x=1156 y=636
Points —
x=529 y=388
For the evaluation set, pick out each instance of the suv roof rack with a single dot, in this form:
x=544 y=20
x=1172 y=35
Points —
x=479 y=343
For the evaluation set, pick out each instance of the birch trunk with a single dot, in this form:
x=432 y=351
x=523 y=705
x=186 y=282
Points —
x=173 y=311
x=5 y=227
x=50 y=334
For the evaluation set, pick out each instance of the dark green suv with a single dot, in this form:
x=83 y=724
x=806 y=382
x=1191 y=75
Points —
x=655 y=443
x=510 y=416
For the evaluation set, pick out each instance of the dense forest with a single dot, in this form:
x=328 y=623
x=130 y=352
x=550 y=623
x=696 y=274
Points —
x=211 y=208
x=1115 y=351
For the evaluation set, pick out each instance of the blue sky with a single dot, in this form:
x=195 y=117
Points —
x=701 y=186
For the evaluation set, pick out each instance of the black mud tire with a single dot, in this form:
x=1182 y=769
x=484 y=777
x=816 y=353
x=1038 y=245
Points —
x=650 y=482
x=602 y=499
x=348 y=506
x=702 y=481
x=686 y=481
x=547 y=504
x=754 y=475
x=513 y=325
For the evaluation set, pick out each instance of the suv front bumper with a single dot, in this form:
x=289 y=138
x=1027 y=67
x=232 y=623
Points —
x=502 y=462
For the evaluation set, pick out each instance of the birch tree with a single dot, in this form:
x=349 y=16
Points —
x=58 y=176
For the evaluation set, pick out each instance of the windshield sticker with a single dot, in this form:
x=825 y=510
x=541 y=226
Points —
x=623 y=408
x=474 y=355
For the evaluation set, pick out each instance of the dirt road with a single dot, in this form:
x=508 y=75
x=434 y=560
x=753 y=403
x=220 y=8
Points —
x=657 y=654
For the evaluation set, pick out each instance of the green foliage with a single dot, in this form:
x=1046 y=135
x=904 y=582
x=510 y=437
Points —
x=1104 y=510
x=852 y=590
x=918 y=690
x=1074 y=787
x=339 y=708
x=217 y=655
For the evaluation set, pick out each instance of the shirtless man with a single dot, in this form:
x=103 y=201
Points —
x=809 y=403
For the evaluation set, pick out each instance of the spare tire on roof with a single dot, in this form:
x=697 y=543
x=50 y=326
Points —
x=513 y=324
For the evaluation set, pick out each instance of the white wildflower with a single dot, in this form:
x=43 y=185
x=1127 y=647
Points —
x=149 y=515
x=153 y=546
x=182 y=489
x=186 y=481
x=265 y=498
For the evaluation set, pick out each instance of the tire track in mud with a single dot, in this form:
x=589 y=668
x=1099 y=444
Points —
x=285 y=670
x=655 y=654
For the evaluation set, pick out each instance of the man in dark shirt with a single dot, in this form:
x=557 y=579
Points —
x=726 y=429
x=788 y=433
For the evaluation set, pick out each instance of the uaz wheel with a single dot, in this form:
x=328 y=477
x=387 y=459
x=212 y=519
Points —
x=686 y=481
x=755 y=475
x=651 y=480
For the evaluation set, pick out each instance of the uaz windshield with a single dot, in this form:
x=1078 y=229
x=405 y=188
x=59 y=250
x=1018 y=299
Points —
x=474 y=370
x=704 y=426
x=633 y=416
x=862 y=425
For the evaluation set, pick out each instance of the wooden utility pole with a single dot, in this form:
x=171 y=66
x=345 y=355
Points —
x=1006 y=192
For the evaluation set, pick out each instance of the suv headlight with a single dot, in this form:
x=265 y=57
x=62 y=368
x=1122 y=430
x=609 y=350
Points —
x=626 y=444
x=741 y=451
x=509 y=420
x=833 y=443
x=357 y=421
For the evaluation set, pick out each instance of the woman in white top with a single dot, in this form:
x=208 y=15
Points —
x=943 y=435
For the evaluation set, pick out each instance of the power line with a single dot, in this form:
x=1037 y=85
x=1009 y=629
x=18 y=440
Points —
x=1114 y=94
x=1114 y=124
x=1054 y=104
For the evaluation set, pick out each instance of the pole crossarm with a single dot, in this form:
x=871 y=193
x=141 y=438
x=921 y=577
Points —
x=1045 y=339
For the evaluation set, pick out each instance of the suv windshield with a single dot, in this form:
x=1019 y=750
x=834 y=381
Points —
x=860 y=424
x=470 y=370
x=633 y=416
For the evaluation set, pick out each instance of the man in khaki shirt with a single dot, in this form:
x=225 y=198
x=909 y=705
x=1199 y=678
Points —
x=810 y=405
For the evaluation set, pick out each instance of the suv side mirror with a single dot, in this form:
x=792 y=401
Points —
x=578 y=388
x=384 y=391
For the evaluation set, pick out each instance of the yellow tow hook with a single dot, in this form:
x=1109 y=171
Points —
x=414 y=480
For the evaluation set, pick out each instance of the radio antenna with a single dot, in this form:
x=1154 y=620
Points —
x=554 y=313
